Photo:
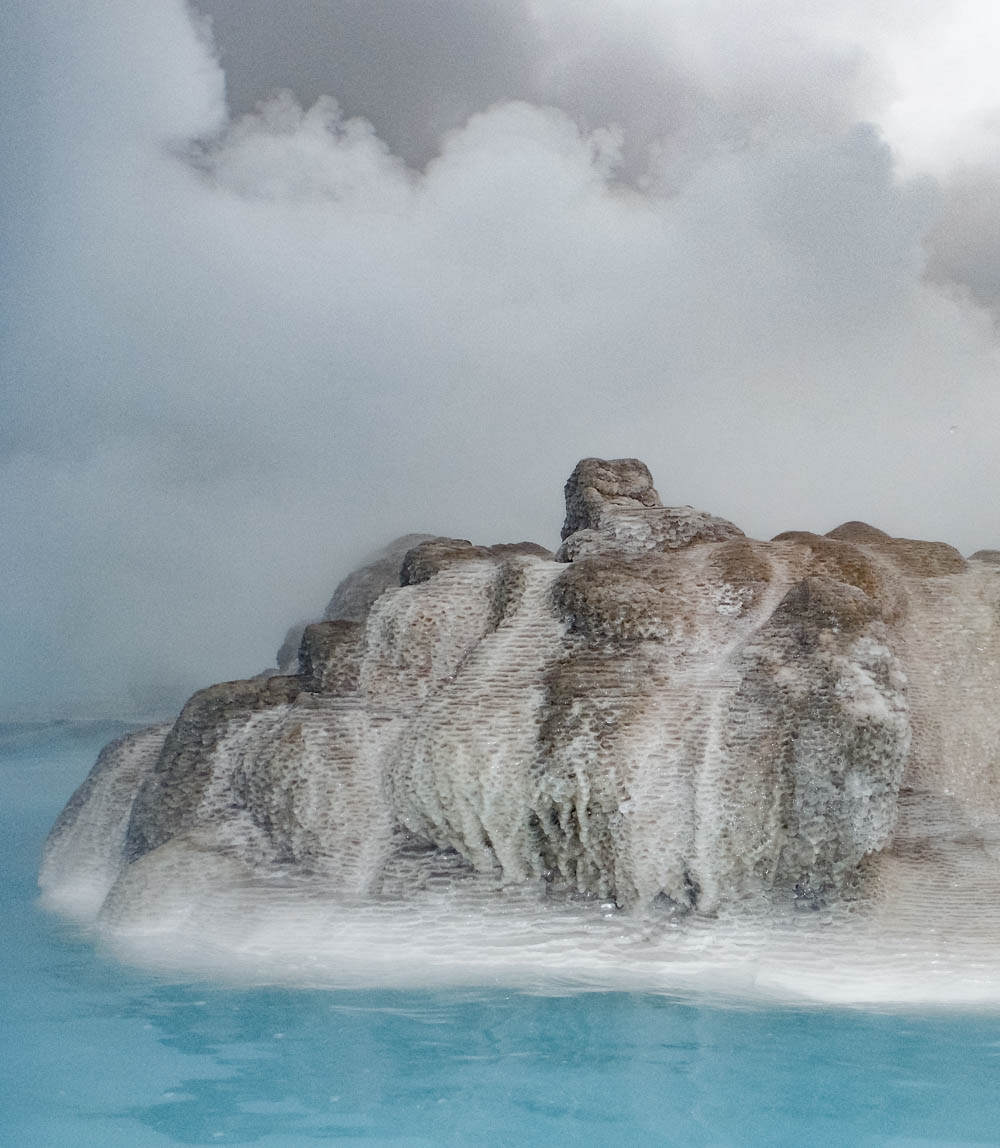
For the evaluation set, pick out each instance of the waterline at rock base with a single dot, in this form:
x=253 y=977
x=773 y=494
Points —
x=666 y=756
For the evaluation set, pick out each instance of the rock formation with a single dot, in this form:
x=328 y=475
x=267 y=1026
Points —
x=666 y=714
x=356 y=594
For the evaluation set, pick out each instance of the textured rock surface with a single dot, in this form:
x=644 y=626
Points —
x=85 y=849
x=667 y=713
x=431 y=557
x=356 y=593
x=599 y=487
x=181 y=792
x=612 y=507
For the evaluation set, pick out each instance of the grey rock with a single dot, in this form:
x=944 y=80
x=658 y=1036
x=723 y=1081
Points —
x=625 y=530
x=85 y=849
x=823 y=765
x=171 y=796
x=598 y=484
x=613 y=508
x=287 y=657
x=355 y=594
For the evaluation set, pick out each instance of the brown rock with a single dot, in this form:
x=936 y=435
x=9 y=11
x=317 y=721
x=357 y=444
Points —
x=429 y=557
x=330 y=657
x=169 y=797
x=358 y=592
x=596 y=483
x=857 y=532
x=925 y=559
x=621 y=597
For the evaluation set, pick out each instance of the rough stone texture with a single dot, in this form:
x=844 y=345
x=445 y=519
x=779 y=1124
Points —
x=857 y=532
x=917 y=558
x=355 y=595
x=668 y=714
x=612 y=507
x=330 y=657
x=625 y=598
x=430 y=557
x=830 y=741
x=598 y=484
x=85 y=849
x=990 y=556
x=514 y=549
x=170 y=798
x=924 y=559
x=628 y=531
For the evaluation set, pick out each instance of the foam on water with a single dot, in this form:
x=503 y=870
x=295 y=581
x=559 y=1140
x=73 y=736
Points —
x=96 y=1054
x=283 y=932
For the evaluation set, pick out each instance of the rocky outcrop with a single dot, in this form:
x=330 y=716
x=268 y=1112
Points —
x=355 y=594
x=431 y=557
x=287 y=657
x=599 y=489
x=180 y=792
x=330 y=657
x=665 y=713
x=612 y=507
x=85 y=849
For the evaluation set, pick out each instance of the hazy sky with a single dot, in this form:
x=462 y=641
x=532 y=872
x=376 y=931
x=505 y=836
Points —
x=247 y=337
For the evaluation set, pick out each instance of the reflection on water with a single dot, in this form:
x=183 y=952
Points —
x=97 y=1054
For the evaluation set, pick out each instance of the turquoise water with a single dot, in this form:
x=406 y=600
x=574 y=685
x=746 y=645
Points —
x=97 y=1054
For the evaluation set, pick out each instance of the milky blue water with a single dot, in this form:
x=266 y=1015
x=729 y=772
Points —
x=92 y=1053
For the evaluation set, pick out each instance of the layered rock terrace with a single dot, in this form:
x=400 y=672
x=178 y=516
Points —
x=664 y=713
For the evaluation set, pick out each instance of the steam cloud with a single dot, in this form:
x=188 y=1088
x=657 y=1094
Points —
x=243 y=346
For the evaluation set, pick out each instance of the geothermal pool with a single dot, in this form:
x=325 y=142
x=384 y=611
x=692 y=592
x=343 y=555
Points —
x=493 y=1051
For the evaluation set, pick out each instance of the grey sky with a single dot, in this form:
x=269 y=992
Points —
x=414 y=69
x=240 y=350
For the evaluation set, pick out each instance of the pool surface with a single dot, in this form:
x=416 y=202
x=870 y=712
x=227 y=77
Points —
x=96 y=1053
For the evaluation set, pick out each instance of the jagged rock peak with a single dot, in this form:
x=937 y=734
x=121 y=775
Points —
x=597 y=482
x=613 y=508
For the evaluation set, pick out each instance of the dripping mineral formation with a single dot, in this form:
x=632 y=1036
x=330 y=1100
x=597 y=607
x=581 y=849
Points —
x=663 y=714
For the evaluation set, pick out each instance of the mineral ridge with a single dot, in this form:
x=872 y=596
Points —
x=665 y=714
